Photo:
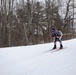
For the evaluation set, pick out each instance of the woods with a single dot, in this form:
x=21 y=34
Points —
x=26 y=22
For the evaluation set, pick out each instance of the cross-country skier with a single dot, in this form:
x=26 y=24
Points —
x=57 y=35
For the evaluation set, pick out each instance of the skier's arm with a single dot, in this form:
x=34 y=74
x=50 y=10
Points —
x=61 y=35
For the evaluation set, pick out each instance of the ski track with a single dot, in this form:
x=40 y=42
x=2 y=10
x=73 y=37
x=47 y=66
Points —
x=38 y=60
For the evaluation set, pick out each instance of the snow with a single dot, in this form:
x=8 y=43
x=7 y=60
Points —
x=38 y=60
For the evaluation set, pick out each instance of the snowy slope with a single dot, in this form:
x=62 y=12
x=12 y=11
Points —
x=38 y=60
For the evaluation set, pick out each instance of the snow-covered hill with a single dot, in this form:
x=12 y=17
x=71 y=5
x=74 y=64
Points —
x=38 y=60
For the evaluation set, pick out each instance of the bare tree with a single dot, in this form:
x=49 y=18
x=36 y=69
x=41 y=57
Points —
x=29 y=22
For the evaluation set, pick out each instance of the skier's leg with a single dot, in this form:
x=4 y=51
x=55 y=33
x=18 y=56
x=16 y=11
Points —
x=61 y=46
x=55 y=43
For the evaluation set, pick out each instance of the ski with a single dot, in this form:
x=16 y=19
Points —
x=51 y=50
x=54 y=50
x=58 y=49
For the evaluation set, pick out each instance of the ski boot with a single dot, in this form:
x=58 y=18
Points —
x=61 y=46
x=54 y=47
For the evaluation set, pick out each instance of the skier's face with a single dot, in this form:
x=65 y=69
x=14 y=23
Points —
x=53 y=31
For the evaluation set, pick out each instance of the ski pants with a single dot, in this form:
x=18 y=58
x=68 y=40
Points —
x=57 y=39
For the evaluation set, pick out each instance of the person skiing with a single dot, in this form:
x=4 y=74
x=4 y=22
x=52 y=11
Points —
x=57 y=35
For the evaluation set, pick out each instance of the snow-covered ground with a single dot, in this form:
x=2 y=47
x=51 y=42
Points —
x=38 y=60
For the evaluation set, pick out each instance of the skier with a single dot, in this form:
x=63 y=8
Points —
x=57 y=35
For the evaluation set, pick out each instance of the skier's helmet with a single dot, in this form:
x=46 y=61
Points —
x=53 y=29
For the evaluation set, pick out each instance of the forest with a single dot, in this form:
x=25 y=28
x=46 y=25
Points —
x=29 y=22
